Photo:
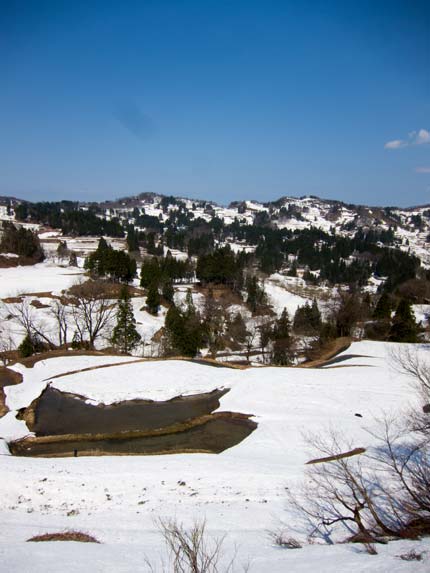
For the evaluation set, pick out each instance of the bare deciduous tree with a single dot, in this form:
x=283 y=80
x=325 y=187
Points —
x=6 y=347
x=92 y=311
x=383 y=492
x=407 y=360
x=60 y=314
x=25 y=315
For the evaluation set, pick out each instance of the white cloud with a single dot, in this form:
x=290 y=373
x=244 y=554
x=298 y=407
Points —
x=422 y=170
x=420 y=137
x=395 y=144
x=423 y=136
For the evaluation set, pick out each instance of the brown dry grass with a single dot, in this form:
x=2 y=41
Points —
x=65 y=536
x=327 y=352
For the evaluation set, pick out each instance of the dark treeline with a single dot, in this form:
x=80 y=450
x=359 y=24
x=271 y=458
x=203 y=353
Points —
x=21 y=242
x=338 y=259
x=108 y=262
x=66 y=215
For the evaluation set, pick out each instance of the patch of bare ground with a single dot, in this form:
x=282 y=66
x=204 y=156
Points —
x=327 y=352
x=18 y=299
x=7 y=378
x=79 y=536
x=221 y=293
x=12 y=300
x=10 y=262
x=3 y=408
x=37 y=304
x=349 y=454
x=107 y=289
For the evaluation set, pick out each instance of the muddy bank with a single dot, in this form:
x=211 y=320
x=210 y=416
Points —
x=9 y=377
x=57 y=413
x=212 y=433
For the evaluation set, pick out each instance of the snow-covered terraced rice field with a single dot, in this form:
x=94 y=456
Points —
x=241 y=492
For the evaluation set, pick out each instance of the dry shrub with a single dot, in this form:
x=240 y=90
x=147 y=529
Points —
x=65 y=536
x=191 y=550
x=282 y=538
x=412 y=555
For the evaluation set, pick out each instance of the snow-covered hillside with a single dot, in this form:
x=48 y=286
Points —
x=241 y=492
x=411 y=225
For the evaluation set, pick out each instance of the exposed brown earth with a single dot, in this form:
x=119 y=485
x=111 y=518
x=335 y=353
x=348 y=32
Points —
x=349 y=454
x=327 y=352
x=8 y=377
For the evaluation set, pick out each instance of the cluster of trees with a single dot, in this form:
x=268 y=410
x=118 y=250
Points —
x=165 y=269
x=67 y=216
x=307 y=319
x=184 y=330
x=393 y=320
x=22 y=242
x=221 y=266
x=159 y=274
x=105 y=261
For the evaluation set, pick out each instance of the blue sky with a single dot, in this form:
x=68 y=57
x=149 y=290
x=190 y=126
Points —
x=215 y=99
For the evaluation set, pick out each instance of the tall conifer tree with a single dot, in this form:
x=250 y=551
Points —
x=125 y=335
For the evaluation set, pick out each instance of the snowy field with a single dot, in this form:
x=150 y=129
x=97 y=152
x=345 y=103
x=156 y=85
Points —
x=43 y=277
x=241 y=492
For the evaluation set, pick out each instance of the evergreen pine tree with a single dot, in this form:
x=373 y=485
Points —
x=292 y=271
x=26 y=348
x=383 y=307
x=125 y=335
x=73 y=259
x=153 y=299
x=404 y=327
x=315 y=316
x=184 y=332
x=132 y=240
x=168 y=291
x=282 y=341
x=189 y=303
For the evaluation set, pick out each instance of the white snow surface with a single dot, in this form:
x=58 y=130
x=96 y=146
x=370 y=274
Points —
x=241 y=492
x=280 y=297
x=158 y=380
x=43 y=277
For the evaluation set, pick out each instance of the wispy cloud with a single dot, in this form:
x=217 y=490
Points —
x=422 y=170
x=420 y=137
